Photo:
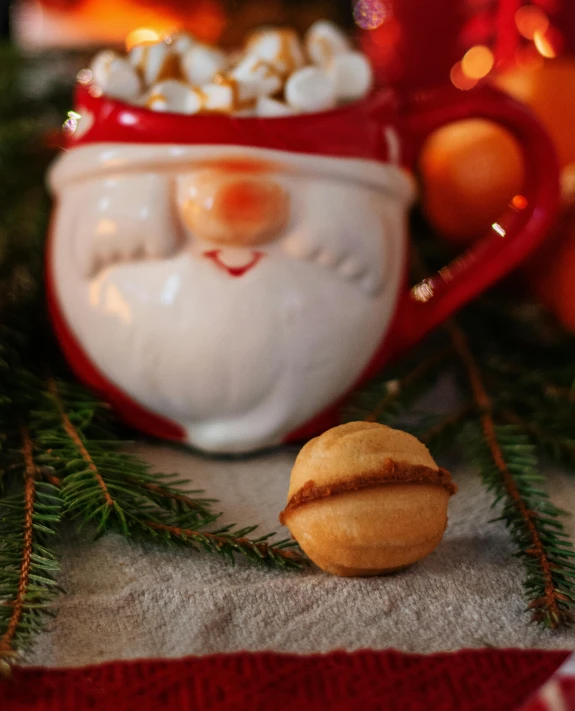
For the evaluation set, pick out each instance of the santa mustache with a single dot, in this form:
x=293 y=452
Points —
x=334 y=216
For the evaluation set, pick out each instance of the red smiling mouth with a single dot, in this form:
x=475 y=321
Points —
x=235 y=271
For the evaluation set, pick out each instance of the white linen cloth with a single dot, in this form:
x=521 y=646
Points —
x=125 y=601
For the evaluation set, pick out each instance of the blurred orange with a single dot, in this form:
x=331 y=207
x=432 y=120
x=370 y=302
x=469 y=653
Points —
x=470 y=171
x=550 y=91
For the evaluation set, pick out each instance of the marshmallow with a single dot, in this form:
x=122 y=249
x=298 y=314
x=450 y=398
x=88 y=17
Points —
x=324 y=40
x=174 y=96
x=115 y=76
x=220 y=97
x=280 y=48
x=272 y=107
x=155 y=62
x=255 y=77
x=100 y=66
x=351 y=74
x=181 y=42
x=310 y=89
x=270 y=78
x=201 y=63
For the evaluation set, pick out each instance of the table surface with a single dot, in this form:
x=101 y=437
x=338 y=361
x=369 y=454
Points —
x=125 y=601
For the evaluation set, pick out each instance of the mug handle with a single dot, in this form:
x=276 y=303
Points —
x=515 y=235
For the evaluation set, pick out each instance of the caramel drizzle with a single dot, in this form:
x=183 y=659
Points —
x=201 y=97
x=237 y=103
x=326 y=50
x=157 y=97
x=141 y=64
x=392 y=473
x=284 y=55
x=170 y=69
x=223 y=80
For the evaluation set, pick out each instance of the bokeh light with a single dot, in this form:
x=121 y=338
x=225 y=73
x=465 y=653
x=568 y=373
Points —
x=529 y=20
x=370 y=14
x=84 y=76
x=477 y=62
x=460 y=80
x=544 y=45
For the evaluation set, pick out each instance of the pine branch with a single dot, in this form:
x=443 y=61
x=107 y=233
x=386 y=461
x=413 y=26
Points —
x=561 y=448
x=228 y=543
x=166 y=495
x=509 y=469
x=118 y=492
x=27 y=564
x=78 y=442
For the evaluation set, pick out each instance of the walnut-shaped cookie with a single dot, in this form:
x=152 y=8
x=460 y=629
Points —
x=366 y=499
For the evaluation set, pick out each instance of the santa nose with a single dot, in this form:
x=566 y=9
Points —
x=235 y=210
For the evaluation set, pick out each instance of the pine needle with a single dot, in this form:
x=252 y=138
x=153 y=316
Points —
x=509 y=468
x=28 y=517
x=230 y=543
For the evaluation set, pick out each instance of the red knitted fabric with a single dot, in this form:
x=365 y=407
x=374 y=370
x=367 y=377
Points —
x=558 y=694
x=482 y=680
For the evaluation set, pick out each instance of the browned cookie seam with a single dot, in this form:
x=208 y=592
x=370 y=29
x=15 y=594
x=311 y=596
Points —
x=392 y=473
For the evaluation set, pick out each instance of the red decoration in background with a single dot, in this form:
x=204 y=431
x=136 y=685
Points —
x=417 y=44
x=507 y=37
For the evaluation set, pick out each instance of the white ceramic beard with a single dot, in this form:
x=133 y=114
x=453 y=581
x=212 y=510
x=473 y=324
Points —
x=239 y=362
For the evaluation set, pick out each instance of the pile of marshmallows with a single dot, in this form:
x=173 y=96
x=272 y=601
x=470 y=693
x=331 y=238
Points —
x=275 y=75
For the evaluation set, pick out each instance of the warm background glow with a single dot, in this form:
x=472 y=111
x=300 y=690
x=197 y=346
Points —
x=108 y=22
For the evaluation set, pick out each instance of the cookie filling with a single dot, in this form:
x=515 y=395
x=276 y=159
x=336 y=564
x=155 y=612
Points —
x=392 y=473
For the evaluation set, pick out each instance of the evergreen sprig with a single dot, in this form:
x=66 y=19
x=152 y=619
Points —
x=510 y=470
x=30 y=513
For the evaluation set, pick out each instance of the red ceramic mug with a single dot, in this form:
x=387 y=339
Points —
x=225 y=281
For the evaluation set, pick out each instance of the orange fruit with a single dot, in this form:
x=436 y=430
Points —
x=470 y=171
x=549 y=90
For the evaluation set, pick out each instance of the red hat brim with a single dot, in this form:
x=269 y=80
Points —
x=356 y=130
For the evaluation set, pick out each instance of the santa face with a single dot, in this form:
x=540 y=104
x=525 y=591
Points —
x=237 y=292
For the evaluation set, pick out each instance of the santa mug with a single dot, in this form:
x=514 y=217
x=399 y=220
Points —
x=224 y=281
